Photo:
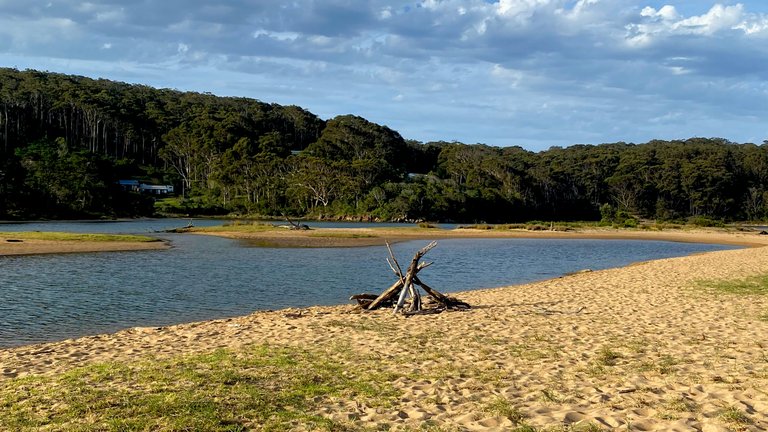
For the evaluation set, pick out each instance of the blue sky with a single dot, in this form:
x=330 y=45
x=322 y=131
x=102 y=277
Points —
x=534 y=73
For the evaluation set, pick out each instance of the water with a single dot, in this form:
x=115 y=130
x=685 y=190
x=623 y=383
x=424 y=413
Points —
x=53 y=297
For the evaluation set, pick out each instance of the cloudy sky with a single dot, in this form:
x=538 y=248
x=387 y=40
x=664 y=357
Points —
x=534 y=73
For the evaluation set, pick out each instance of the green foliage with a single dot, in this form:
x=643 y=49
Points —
x=607 y=214
x=66 y=140
x=58 y=180
x=704 y=221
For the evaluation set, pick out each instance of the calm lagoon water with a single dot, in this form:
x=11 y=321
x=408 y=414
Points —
x=53 y=297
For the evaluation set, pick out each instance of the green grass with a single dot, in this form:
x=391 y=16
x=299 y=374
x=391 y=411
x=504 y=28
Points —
x=63 y=236
x=238 y=227
x=261 y=387
x=734 y=416
x=607 y=357
x=664 y=365
x=751 y=286
x=504 y=408
x=755 y=285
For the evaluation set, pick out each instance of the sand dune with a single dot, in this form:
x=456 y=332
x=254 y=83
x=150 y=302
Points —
x=635 y=348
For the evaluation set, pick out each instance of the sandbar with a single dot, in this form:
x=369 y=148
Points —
x=12 y=245
x=359 y=237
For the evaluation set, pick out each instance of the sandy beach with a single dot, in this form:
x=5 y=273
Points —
x=639 y=348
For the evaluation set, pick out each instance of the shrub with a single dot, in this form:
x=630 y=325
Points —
x=705 y=221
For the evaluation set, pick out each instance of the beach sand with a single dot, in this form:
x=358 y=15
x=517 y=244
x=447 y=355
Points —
x=636 y=348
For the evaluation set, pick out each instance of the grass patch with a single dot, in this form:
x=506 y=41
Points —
x=553 y=396
x=755 y=285
x=261 y=387
x=237 y=226
x=664 y=365
x=342 y=235
x=63 y=236
x=681 y=404
x=573 y=427
x=734 y=416
x=751 y=286
x=606 y=357
x=504 y=408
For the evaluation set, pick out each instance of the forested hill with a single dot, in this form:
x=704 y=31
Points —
x=65 y=141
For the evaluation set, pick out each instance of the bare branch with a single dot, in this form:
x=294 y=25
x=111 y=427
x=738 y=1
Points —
x=423 y=265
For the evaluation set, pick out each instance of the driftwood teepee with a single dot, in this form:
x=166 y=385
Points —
x=436 y=302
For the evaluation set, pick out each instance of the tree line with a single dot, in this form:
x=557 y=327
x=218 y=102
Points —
x=66 y=140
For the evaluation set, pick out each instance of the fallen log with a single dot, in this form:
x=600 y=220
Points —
x=364 y=300
x=448 y=302
x=386 y=295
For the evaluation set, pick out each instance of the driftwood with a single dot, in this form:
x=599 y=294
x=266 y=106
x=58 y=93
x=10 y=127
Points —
x=294 y=225
x=405 y=288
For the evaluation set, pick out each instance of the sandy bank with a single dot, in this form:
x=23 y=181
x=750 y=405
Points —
x=11 y=246
x=634 y=348
x=356 y=237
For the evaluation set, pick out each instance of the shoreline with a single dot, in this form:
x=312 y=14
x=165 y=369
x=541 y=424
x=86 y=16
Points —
x=638 y=345
x=362 y=237
x=450 y=234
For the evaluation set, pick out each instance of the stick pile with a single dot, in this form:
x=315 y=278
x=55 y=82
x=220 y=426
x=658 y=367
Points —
x=405 y=289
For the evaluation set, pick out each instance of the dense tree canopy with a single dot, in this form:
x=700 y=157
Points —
x=66 y=140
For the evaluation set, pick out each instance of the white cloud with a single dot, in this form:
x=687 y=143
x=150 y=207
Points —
x=679 y=70
x=667 y=13
x=507 y=76
x=521 y=8
x=718 y=18
x=666 y=22
x=280 y=36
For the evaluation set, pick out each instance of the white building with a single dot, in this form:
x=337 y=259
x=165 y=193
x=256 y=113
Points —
x=136 y=186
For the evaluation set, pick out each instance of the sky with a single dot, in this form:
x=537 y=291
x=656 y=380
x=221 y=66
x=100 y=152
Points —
x=533 y=73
